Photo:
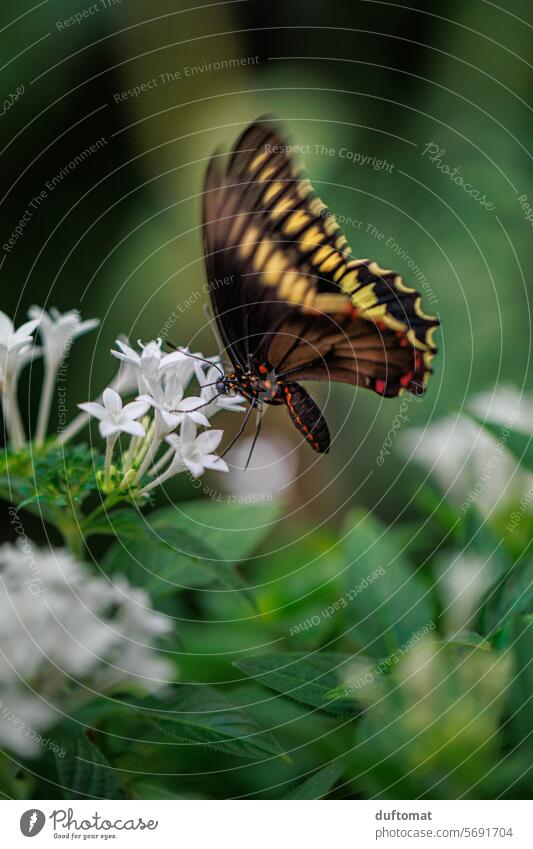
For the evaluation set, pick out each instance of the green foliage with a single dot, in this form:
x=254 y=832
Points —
x=350 y=682
x=319 y=784
x=85 y=773
x=57 y=475
x=202 y=716
x=396 y=602
x=306 y=679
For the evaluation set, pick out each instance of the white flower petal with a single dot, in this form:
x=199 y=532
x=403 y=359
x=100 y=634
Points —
x=112 y=401
x=135 y=409
x=209 y=441
x=6 y=325
x=87 y=325
x=108 y=428
x=188 y=432
x=196 y=469
x=199 y=419
x=191 y=404
x=127 y=351
x=94 y=409
x=133 y=428
x=217 y=464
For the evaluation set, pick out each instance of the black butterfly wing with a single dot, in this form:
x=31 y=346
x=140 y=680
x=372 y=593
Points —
x=307 y=417
x=353 y=351
x=266 y=236
x=278 y=266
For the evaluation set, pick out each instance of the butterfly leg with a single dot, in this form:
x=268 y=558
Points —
x=260 y=412
x=241 y=429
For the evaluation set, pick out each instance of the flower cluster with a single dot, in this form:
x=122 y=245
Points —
x=471 y=463
x=162 y=422
x=60 y=627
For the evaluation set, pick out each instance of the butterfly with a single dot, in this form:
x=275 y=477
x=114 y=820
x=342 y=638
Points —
x=289 y=301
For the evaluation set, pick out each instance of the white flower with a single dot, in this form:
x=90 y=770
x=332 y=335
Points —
x=170 y=406
x=60 y=625
x=146 y=362
x=113 y=417
x=17 y=347
x=58 y=331
x=124 y=382
x=152 y=364
x=196 y=452
x=14 y=345
x=125 y=379
x=505 y=406
x=212 y=398
x=470 y=465
x=191 y=453
x=180 y=363
x=463 y=579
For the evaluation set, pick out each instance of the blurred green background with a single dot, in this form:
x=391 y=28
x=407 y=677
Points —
x=359 y=82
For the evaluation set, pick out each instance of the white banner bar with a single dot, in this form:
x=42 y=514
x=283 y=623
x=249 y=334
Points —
x=262 y=825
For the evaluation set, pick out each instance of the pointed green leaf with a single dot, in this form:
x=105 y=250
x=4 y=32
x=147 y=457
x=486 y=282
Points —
x=232 y=531
x=85 y=773
x=319 y=784
x=307 y=679
x=202 y=716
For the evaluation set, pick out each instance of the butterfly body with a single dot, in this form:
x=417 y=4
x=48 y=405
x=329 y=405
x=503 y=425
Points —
x=259 y=387
x=294 y=305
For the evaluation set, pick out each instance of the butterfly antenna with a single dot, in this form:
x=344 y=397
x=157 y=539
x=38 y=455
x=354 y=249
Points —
x=195 y=357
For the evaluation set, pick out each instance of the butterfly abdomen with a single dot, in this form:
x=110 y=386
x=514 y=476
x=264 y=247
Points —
x=307 y=417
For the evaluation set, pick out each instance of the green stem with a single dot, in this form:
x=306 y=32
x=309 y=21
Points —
x=72 y=531
x=153 y=448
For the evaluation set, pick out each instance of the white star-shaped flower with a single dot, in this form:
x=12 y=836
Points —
x=113 y=417
x=15 y=346
x=146 y=361
x=58 y=331
x=153 y=365
x=196 y=452
x=171 y=407
x=191 y=453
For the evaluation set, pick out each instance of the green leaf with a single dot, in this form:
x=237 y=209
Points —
x=163 y=568
x=468 y=640
x=522 y=684
x=125 y=523
x=307 y=679
x=231 y=531
x=158 y=569
x=148 y=790
x=204 y=717
x=389 y=603
x=319 y=784
x=85 y=773
x=512 y=597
